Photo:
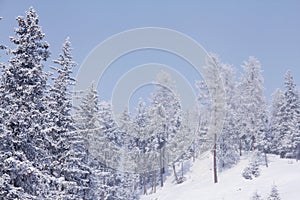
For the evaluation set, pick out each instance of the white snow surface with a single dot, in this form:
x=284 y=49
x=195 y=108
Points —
x=284 y=173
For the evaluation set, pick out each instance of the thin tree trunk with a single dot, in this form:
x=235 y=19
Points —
x=161 y=170
x=163 y=160
x=144 y=183
x=154 y=181
x=240 y=147
x=102 y=196
x=194 y=152
x=182 y=169
x=175 y=174
x=215 y=160
x=266 y=159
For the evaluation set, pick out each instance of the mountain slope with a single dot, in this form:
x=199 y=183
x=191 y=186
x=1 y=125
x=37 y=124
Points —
x=284 y=173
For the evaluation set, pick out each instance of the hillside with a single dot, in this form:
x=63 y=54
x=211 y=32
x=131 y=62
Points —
x=285 y=173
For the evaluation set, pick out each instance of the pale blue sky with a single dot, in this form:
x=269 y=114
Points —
x=268 y=30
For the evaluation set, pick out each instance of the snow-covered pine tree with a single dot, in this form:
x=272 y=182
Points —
x=180 y=146
x=88 y=124
x=110 y=147
x=274 y=195
x=141 y=131
x=166 y=95
x=256 y=196
x=218 y=105
x=252 y=170
x=252 y=107
x=23 y=84
x=86 y=115
x=156 y=118
x=289 y=136
x=292 y=97
x=202 y=142
x=127 y=180
x=276 y=121
x=68 y=148
x=228 y=141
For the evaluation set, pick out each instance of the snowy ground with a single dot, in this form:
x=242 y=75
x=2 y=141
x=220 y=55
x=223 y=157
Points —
x=284 y=173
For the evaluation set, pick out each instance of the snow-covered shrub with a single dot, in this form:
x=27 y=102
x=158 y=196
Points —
x=256 y=196
x=274 y=195
x=247 y=173
x=252 y=170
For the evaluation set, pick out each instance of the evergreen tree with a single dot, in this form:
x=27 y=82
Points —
x=23 y=85
x=274 y=195
x=202 y=142
x=252 y=107
x=276 y=121
x=290 y=109
x=252 y=170
x=68 y=147
x=165 y=96
x=228 y=148
x=256 y=196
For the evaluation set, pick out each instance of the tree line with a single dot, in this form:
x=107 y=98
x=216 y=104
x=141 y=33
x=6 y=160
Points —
x=53 y=150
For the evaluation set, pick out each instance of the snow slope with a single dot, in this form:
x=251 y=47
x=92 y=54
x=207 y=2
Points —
x=284 y=173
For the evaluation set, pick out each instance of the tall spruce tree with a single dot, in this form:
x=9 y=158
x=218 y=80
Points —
x=166 y=97
x=252 y=107
x=23 y=84
x=66 y=146
x=276 y=121
x=290 y=109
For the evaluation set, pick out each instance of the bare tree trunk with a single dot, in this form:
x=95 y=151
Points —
x=144 y=183
x=175 y=174
x=154 y=181
x=163 y=160
x=298 y=152
x=161 y=170
x=215 y=160
x=266 y=160
x=102 y=196
x=182 y=169
x=194 y=152
x=240 y=147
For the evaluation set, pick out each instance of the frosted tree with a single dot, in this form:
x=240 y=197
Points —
x=252 y=107
x=126 y=125
x=274 y=195
x=156 y=129
x=256 y=196
x=107 y=122
x=202 y=121
x=218 y=103
x=23 y=84
x=141 y=131
x=59 y=120
x=106 y=183
x=276 y=121
x=293 y=107
x=252 y=170
x=166 y=96
x=110 y=145
x=87 y=112
x=228 y=141
x=69 y=149
x=87 y=123
x=180 y=149
x=290 y=109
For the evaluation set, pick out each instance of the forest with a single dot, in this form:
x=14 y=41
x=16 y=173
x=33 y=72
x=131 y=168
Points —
x=51 y=149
